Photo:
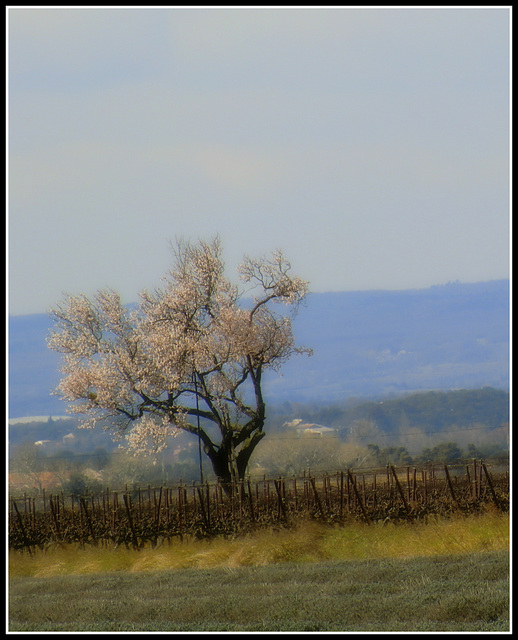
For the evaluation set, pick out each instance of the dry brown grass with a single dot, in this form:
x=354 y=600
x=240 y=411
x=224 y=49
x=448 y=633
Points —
x=310 y=541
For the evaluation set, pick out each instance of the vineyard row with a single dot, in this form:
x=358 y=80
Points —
x=137 y=516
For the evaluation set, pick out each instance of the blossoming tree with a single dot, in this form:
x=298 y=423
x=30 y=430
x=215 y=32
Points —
x=190 y=357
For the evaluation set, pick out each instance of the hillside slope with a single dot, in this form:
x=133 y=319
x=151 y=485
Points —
x=377 y=343
x=366 y=343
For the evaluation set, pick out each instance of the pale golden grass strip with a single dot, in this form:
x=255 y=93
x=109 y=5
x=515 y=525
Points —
x=310 y=541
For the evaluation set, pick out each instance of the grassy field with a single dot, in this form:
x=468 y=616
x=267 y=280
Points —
x=444 y=575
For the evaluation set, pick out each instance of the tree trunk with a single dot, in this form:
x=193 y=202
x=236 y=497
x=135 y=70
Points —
x=229 y=464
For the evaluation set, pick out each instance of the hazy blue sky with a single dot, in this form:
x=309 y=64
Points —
x=372 y=145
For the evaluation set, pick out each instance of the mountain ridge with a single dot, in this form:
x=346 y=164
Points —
x=365 y=343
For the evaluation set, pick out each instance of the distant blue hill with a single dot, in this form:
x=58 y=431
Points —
x=365 y=343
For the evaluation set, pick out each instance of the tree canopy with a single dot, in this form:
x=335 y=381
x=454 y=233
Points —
x=190 y=357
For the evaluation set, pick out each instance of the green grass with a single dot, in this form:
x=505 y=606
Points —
x=452 y=593
x=439 y=575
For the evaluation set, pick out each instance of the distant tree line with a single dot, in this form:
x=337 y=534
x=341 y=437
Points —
x=433 y=410
x=438 y=427
x=445 y=452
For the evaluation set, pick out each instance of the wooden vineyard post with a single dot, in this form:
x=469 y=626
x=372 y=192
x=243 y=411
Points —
x=22 y=528
x=324 y=489
x=203 y=511
x=241 y=498
x=180 y=508
x=401 y=492
x=185 y=502
x=450 y=485
x=223 y=500
x=167 y=498
x=82 y=502
x=72 y=515
x=139 y=502
x=104 y=511
x=219 y=500
x=283 y=491
x=108 y=524
x=215 y=499
x=194 y=496
x=34 y=515
x=306 y=492
x=34 y=520
x=127 y=504
x=475 y=480
x=348 y=492
x=358 y=497
x=281 y=505
x=374 y=497
x=317 y=497
x=114 y=512
x=341 y=494
x=230 y=498
x=221 y=505
x=414 y=485
x=425 y=492
x=207 y=497
x=157 y=515
x=490 y=483
x=251 y=501
x=54 y=512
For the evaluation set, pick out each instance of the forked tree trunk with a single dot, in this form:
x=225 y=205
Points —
x=230 y=464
